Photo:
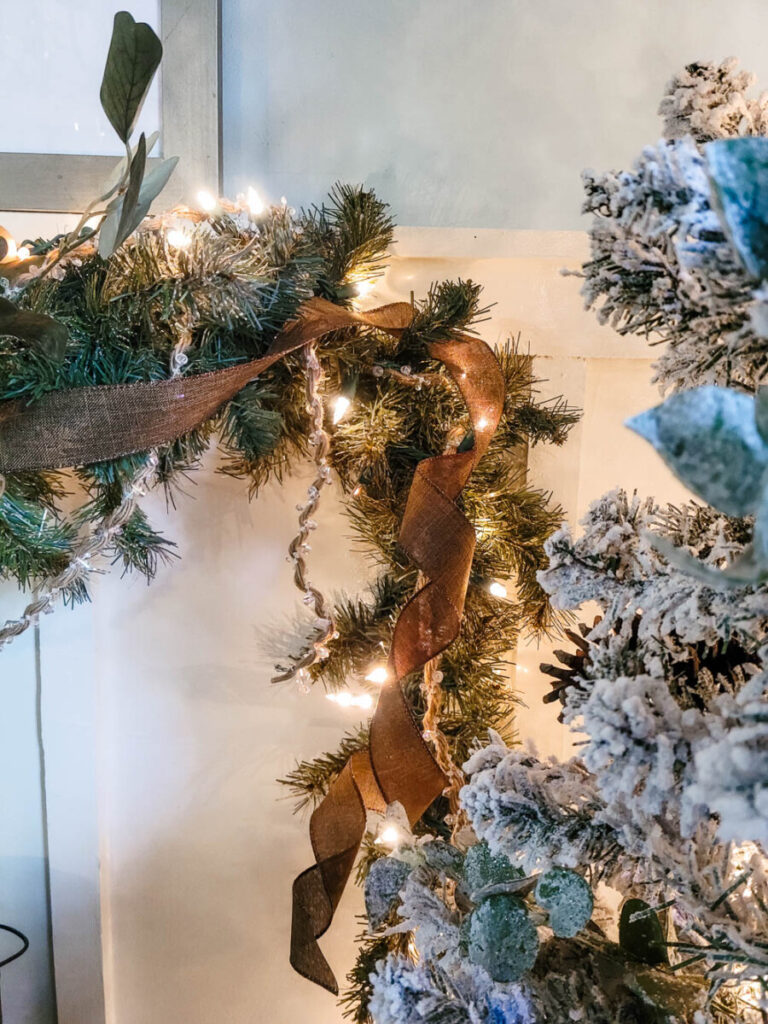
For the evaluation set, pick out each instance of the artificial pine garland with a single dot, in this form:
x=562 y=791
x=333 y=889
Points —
x=136 y=299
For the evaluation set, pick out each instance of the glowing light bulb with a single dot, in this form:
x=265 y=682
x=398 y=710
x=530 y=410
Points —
x=363 y=288
x=10 y=254
x=23 y=252
x=388 y=836
x=255 y=204
x=497 y=589
x=345 y=699
x=178 y=239
x=340 y=407
x=378 y=674
x=206 y=201
x=482 y=423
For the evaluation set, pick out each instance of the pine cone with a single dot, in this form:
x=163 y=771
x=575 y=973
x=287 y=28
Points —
x=697 y=673
x=573 y=665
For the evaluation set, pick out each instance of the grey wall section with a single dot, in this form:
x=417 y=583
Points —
x=27 y=984
x=460 y=113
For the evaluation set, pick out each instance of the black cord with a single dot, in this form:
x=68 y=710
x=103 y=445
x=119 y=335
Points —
x=19 y=952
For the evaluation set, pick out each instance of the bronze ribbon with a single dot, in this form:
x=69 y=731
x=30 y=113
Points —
x=79 y=426
x=398 y=764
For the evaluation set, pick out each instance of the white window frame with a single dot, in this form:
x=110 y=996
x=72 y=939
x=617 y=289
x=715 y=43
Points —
x=190 y=124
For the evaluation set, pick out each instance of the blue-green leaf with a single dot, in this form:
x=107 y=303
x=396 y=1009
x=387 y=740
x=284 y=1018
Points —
x=568 y=898
x=738 y=169
x=709 y=439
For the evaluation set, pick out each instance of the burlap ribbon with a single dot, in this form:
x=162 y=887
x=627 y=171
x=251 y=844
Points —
x=398 y=764
x=79 y=426
x=85 y=425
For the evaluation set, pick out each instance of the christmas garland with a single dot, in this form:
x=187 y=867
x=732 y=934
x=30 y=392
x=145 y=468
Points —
x=133 y=341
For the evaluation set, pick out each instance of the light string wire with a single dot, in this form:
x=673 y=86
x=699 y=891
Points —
x=325 y=627
x=100 y=536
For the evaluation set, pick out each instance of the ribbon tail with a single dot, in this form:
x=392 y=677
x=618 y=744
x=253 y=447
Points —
x=399 y=764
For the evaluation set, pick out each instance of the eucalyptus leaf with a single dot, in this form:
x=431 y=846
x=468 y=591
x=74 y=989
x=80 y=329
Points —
x=127 y=211
x=761 y=412
x=502 y=938
x=642 y=938
x=131 y=197
x=43 y=333
x=156 y=180
x=483 y=868
x=133 y=58
x=738 y=169
x=118 y=171
x=568 y=898
x=709 y=439
x=383 y=883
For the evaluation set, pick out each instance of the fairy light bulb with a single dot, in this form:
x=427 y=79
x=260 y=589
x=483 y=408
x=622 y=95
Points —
x=497 y=589
x=206 y=201
x=340 y=407
x=23 y=252
x=388 y=836
x=178 y=239
x=345 y=699
x=378 y=674
x=254 y=200
x=363 y=288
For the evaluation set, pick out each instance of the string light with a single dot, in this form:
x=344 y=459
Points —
x=389 y=836
x=345 y=699
x=23 y=252
x=255 y=204
x=340 y=407
x=363 y=288
x=206 y=201
x=497 y=589
x=10 y=254
x=378 y=674
x=178 y=239
x=482 y=423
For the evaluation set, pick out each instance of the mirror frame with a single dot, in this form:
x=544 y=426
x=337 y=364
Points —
x=190 y=118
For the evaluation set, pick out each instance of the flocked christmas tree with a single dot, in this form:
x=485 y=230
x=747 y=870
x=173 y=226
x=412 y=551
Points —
x=667 y=801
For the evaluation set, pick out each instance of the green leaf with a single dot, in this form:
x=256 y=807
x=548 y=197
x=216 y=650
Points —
x=502 y=938
x=738 y=169
x=483 y=868
x=568 y=898
x=118 y=171
x=126 y=212
x=156 y=180
x=133 y=58
x=42 y=332
x=642 y=938
x=383 y=883
x=709 y=439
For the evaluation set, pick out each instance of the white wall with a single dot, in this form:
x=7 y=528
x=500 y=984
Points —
x=477 y=114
